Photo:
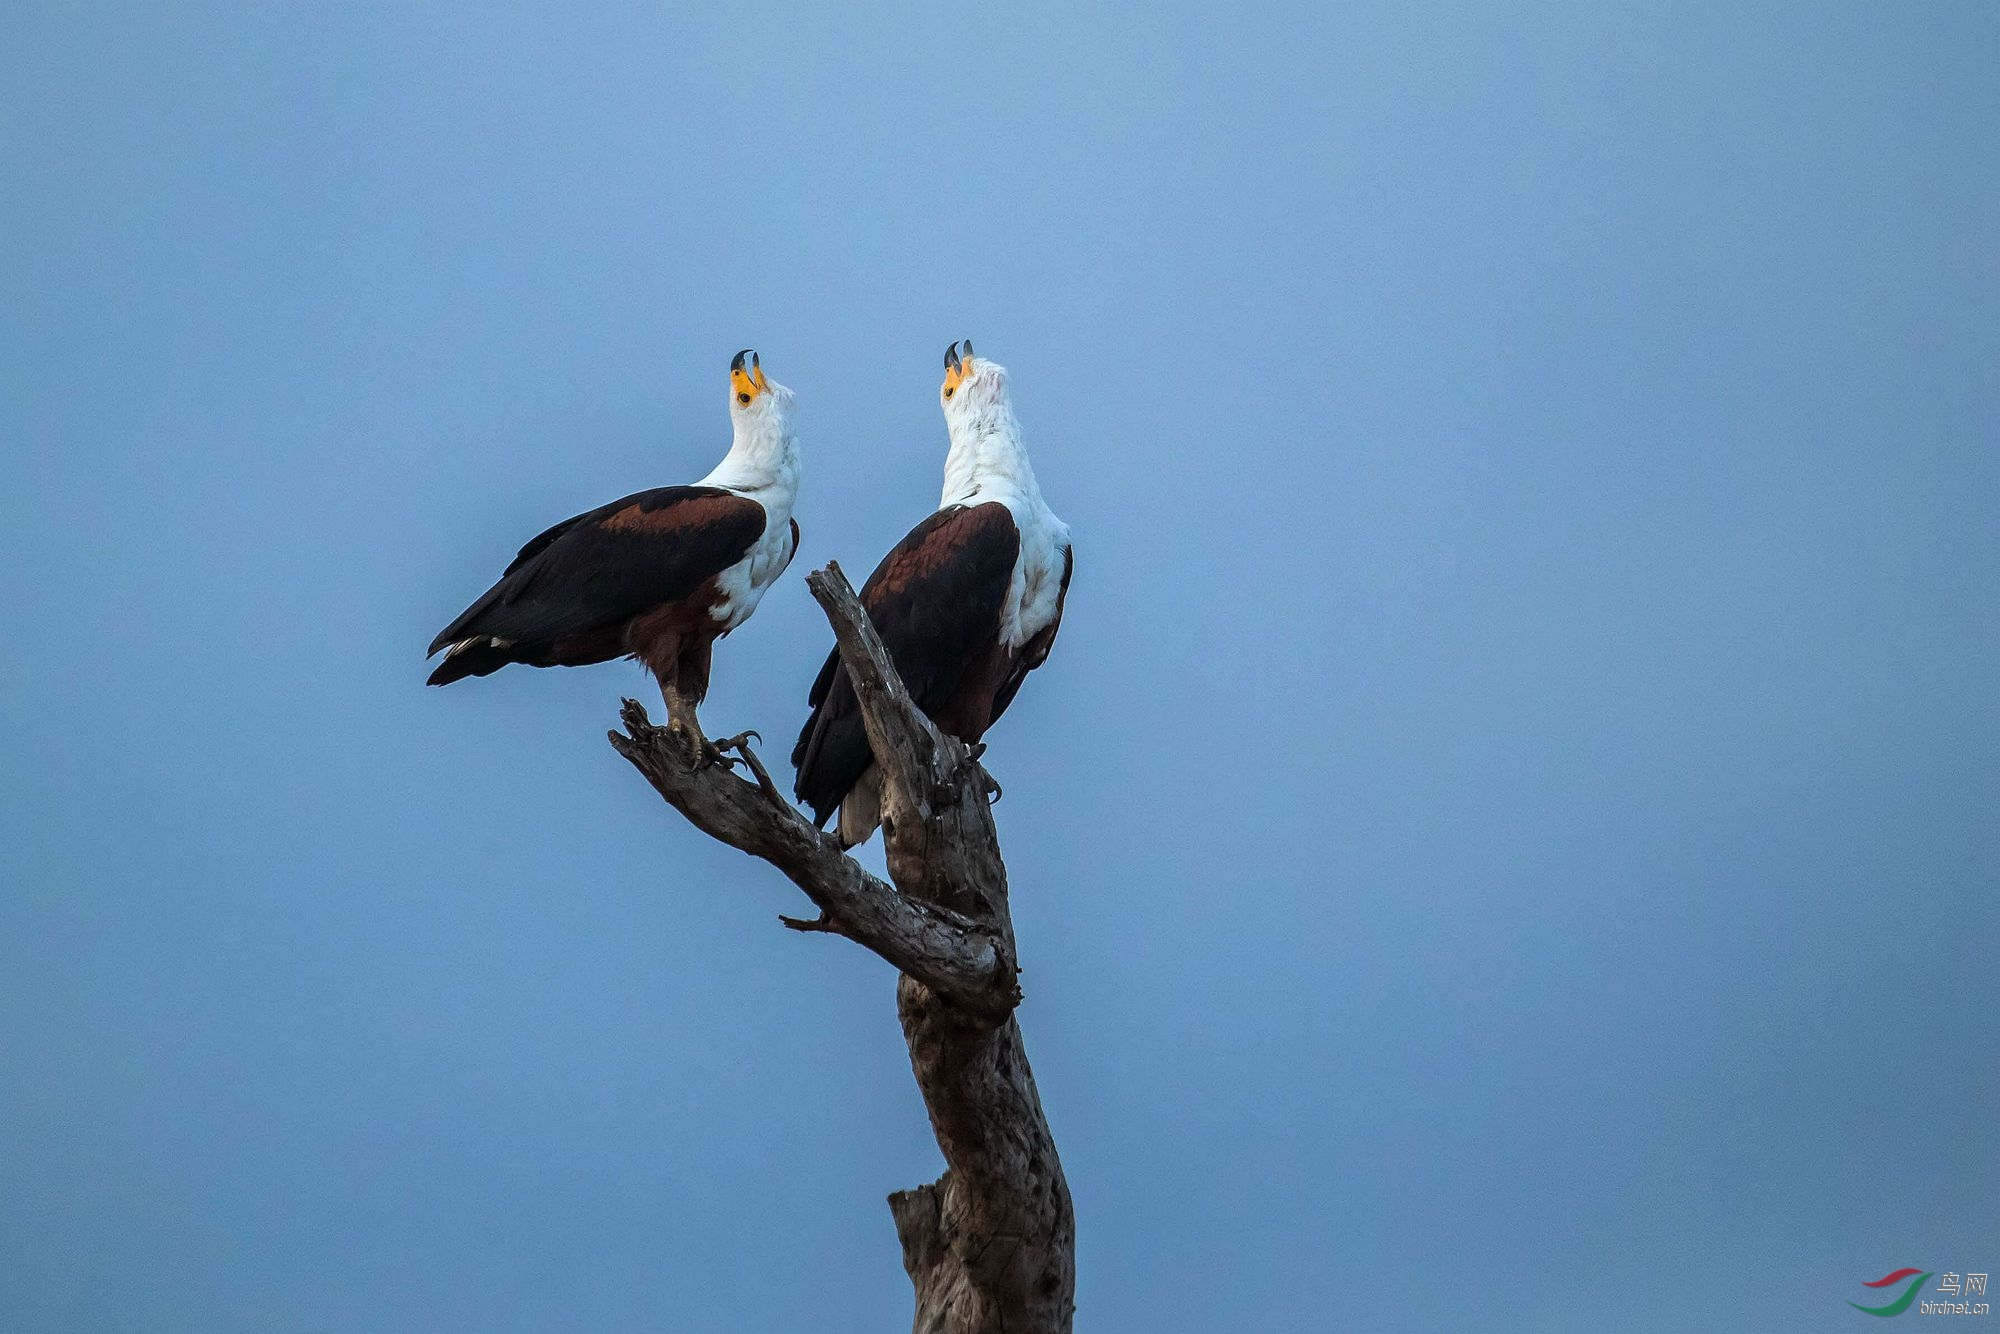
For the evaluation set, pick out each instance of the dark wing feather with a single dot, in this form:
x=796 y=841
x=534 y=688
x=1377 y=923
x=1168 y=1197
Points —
x=935 y=600
x=605 y=567
x=821 y=684
x=1036 y=651
x=540 y=542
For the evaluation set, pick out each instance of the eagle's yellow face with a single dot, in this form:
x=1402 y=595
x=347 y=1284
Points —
x=746 y=384
x=957 y=369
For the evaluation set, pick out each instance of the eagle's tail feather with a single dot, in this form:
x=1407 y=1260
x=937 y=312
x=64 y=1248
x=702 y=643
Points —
x=861 y=809
x=471 y=657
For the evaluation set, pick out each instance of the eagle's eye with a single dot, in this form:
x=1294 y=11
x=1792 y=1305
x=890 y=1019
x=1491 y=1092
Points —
x=949 y=392
x=747 y=381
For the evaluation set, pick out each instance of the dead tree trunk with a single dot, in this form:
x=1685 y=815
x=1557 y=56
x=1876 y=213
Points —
x=991 y=1245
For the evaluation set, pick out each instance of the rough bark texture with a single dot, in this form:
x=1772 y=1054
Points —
x=991 y=1245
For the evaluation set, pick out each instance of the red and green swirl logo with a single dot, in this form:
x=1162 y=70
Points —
x=1902 y=1303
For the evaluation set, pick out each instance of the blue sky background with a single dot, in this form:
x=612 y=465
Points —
x=1507 y=838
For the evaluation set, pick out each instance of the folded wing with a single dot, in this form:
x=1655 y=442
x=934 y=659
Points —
x=571 y=593
x=936 y=601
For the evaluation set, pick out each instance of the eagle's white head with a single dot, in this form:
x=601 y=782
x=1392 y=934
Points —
x=986 y=455
x=974 y=392
x=764 y=452
x=756 y=404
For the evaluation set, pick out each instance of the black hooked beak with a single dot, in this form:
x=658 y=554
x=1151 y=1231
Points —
x=968 y=349
x=737 y=364
x=951 y=357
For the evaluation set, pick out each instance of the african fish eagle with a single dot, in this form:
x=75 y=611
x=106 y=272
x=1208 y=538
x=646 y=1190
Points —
x=967 y=604
x=659 y=575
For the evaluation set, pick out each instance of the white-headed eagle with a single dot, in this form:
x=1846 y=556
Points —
x=967 y=604
x=659 y=575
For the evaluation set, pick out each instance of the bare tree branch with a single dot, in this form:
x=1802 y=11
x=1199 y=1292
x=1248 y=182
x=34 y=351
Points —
x=990 y=1247
x=955 y=956
x=910 y=752
x=936 y=823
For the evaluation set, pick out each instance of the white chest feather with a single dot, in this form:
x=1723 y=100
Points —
x=988 y=463
x=762 y=465
x=742 y=585
x=1036 y=588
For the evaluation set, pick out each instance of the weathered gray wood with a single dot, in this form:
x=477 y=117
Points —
x=990 y=1247
x=955 y=956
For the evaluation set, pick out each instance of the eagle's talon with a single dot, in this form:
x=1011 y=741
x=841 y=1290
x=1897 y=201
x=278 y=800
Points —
x=701 y=751
x=740 y=743
x=718 y=749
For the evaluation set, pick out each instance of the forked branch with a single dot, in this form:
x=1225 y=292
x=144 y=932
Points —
x=990 y=1246
x=964 y=957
